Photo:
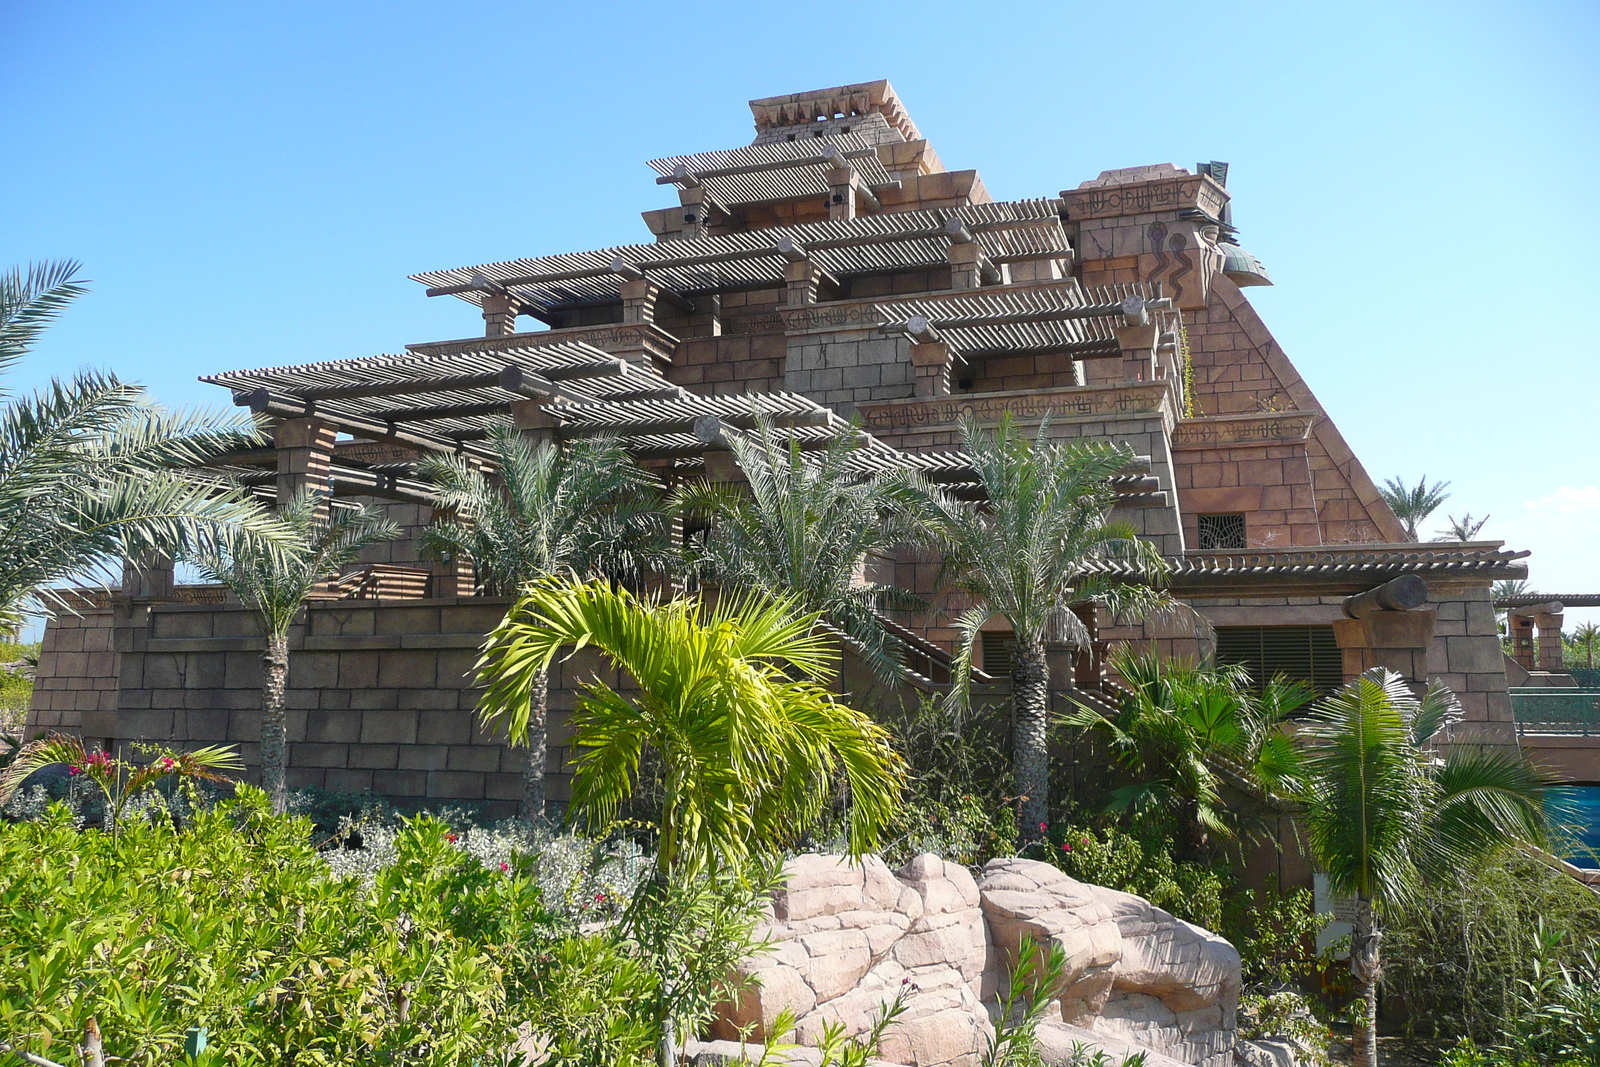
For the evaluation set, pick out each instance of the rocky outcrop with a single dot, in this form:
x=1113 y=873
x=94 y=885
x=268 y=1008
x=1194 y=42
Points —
x=845 y=938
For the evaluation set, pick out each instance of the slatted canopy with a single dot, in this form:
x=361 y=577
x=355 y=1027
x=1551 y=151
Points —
x=868 y=244
x=1065 y=318
x=1362 y=562
x=784 y=170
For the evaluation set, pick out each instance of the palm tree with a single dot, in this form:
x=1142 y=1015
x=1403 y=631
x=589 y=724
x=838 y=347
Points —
x=803 y=530
x=322 y=538
x=1463 y=529
x=728 y=697
x=1413 y=506
x=586 y=509
x=1586 y=637
x=1386 y=804
x=93 y=471
x=1183 y=731
x=1040 y=544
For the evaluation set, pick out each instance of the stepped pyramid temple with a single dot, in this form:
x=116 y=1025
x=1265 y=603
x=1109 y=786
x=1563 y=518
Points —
x=834 y=275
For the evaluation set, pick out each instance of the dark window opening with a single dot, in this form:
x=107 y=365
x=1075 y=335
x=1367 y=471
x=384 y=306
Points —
x=1307 y=653
x=1221 y=531
x=998 y=648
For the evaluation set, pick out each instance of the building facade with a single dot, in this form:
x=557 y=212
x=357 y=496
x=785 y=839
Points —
x=836 y=277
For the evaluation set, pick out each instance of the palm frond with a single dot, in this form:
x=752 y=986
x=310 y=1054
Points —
x=30 y=300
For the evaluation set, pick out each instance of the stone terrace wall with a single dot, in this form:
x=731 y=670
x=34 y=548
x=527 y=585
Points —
x=75 y=686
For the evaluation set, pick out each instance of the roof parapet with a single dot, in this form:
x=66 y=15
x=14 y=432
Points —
x=840 y=101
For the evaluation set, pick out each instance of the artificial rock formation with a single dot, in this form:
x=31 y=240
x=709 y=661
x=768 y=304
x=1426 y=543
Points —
x=846 y=937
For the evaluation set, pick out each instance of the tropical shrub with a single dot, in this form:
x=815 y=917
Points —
x=236 y=926
x=1118 y=860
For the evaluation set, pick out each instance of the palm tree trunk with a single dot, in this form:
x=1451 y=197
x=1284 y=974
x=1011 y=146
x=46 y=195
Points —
x=274 y=729
x=533 y=770
x=1364 y=966
x=1030 y=724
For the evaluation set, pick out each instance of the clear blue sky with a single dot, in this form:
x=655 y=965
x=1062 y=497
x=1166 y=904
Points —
x=250 y=184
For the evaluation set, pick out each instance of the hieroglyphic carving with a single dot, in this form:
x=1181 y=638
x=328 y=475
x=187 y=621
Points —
x=1061 y=403
x=1278 y=428
x=822 y=317
x=1142 y=198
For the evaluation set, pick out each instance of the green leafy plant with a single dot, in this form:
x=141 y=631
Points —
x=1413 y=504
x=1384 y=807
x=1035 y=979
x=319 y=538
x=803 y=526
x=118 y=781
x=728 y=697
x=1031 y=551
x=584 y=508
x=1276 y=935
x=1117 y=860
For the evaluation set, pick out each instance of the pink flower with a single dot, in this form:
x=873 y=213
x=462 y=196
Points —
x=505 y=866
x=1085 y=841
x=450 y=838
x=167 y=763
x=1065 y=847
x=1043 y=827
x=73 y=772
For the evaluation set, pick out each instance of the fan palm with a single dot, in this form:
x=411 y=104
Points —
x=585 y=509
x=93 y=471
x=1413 y=505
x=1183 y=731
x=728 y=697
x=274 y=584
x=803 y=529
x=1041 y=543
x=1386 y=805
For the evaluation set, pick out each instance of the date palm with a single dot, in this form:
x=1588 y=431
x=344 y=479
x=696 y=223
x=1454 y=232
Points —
x=1465 y=528
x=1387 y=803
x=729 y=698
x=1586 y=637
x=1412 y=505
x=1183 y=731
x=1038 y=545
x=803 y=527
x=93 y=471
x=273 y=583
x=584 y=509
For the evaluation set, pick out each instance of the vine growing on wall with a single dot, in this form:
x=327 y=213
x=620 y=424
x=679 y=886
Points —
x=1188 y=370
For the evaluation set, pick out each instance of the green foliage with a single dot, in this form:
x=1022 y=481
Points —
x=801 y=527
x=585 y=508
x=319 y=538
x=729 y=698
x=1183 y=732
x=1284 y=1014
x=1462 y=955
x=1036 y=978
x=1118 y=860
x=1413 y=504
x=1276 y=935
x=92 y=471
x=234 y=924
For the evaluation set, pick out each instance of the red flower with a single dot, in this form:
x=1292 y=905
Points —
x=1065 y=847
x=599 y=898
x=73 y=772
x=1085 y=841
x=1043 y=827
x=450 y=838
x=167 y=763
x=505 y=866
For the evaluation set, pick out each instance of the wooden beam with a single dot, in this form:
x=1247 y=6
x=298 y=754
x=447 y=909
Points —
x=265 y=402
x=682 y=175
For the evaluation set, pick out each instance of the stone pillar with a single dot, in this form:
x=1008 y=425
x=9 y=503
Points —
x=305 y=457
x=499 y=315
x=932 y=368
x=841 y=193
x=966 y=264
x=1550 y=650
x=148 y=578
x=695 y=223
x=532 y=417
x=803 y=280
x=1398 y=640
x=1523 y=648
x=1138 y=344
x=639 y=301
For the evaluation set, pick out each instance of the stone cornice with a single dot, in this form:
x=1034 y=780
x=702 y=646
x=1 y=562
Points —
x=1080 y=404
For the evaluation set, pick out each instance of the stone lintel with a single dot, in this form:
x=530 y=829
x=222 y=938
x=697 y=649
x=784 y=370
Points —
x=1387 y=629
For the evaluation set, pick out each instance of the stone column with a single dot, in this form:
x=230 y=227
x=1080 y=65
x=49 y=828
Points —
x=1523 y=647
x=932 y=367
x=1550 y=650
x=966 y=264
x=841 y=194
x=532 y=417
x=499 y=315
x=1398 y=640
x=694 y=211
x=1138 y=345
x=148 y=578
x=639 y=301
x=802 y=280
x=305 y=457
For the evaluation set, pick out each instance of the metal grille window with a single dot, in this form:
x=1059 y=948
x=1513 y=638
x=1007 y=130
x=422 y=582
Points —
x=1308 y=653
x=1221 y=531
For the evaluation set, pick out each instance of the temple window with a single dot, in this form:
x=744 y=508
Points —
x=1221 y=531
x=1306 y=653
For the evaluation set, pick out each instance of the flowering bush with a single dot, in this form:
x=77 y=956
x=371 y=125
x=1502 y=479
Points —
x=1120 y=861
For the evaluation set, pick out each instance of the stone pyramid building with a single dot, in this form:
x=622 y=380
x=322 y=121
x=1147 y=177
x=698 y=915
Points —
x=831 y=270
